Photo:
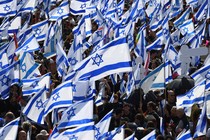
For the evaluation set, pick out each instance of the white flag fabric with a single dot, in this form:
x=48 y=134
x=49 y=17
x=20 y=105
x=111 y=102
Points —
x=77 y=114
x=61 y=96
x=104 y=61
x=150 y=136
x=34 y=109
x=185 y=135
x=8 y=8
x=10 y=130
x=77 y=7
x=60 y=12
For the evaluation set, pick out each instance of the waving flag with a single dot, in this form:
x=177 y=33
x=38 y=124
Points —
x=33 y=85
x=28 y=6
x=28 y=67
x=61 y=96
x=77 y=114
x=29 y=45
x=150 y=136
x=194 y=96
x=62 y=11
x=120 y=8
x=130 y=84
x=175 y=37
x=182 y=18
x=4 y=61
x=202 y=11
x=80 y=90
x=185 y=136
x=116 y=134
x=131 y=137
x=208 y=81
x=40 y=30
x=34 y=109
x=77 y=7
x=10 y=130
x=79 y=133
x=103 y=62
x=102 y=127
x=187 y=28
x=7 y=79
x=201 y=127
x=8 y=8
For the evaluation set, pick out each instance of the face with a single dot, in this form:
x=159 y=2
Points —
x=171 y=96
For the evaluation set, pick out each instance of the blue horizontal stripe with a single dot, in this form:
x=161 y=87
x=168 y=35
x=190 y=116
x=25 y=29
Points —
x=106 y=69
x=85 y=128
x=5 y=2
x=190 y=102
x=40 y=24
x=73 y=123
x=158 y=85
x=77 y=12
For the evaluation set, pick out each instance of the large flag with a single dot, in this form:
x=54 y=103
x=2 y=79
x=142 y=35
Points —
x=193 y=96
x=104 y=61
x=77 y=7
x=77 y=114
x=187 y=28
x=183 y=17
x=33 y=85
x=10 y=130
x=61 y=96
x=102 y=127
x=29 y=45
x=81 y=132
x=60 y=12
x=28 y=66
x=34 y=109
x=8 y=8
x=40 y=30
x=150 y=136
x=7 y=78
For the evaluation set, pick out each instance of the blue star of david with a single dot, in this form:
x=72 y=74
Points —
x=185 y=29
x=5 y=80
x=60 y=11
x=97 y=134
x=25 y=48
x=189 y=95
x=7 y=8
x=2 y=133
x=175 y=59
x=39 y=104
x=165 y=31
x=97 y=59
x=23 y=67
x=130 y=37
x=34 y=84
x=119 y=10
x=56 y=96
x=99 y=33
x=73 y=61
x=37 y=32
x=176 y=39
x=122 y=32
x=83 y=6
x=74 y=88
x=71 y=113
x=208 y=76
x=73 y=138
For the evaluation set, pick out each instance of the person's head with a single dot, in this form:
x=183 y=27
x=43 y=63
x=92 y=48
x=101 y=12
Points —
x=22 y=135
x=151 y=106
x=9 y=117
x=26 y=126
x=159 y=137
x=128 y=132
x=171 y=96
x=180 y=112
x=139 y=118
x=173 y=111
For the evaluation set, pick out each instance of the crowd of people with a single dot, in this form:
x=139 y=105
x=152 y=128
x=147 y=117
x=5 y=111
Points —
x=140 y=113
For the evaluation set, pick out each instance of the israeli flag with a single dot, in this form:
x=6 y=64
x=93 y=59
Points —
x=61 y=96
x=60 y=12
x=28 y=6
x=40 y=30
x=77 y=114
x=187 y=28
x=156 y=45
x=120 y=8
x=102 y=127
x=130 y=84
x=131 y=137
x=7 y=78
x=77 y=7
x=150 y=136
x=80 y=90
x=15 y=24
x=81 y=132
x=29 y=45
x=116 y=134
x=193 y=96
x=202 y=11
x=182 y=18
x=28 y=66
x=10 y=130
x=8 y=8
x=185 y=135
x=103 y=62
x=4 y=61
x=208 y=81
x=34 y=110
x=33 y=85
x=175 y=37
x=201 y=127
